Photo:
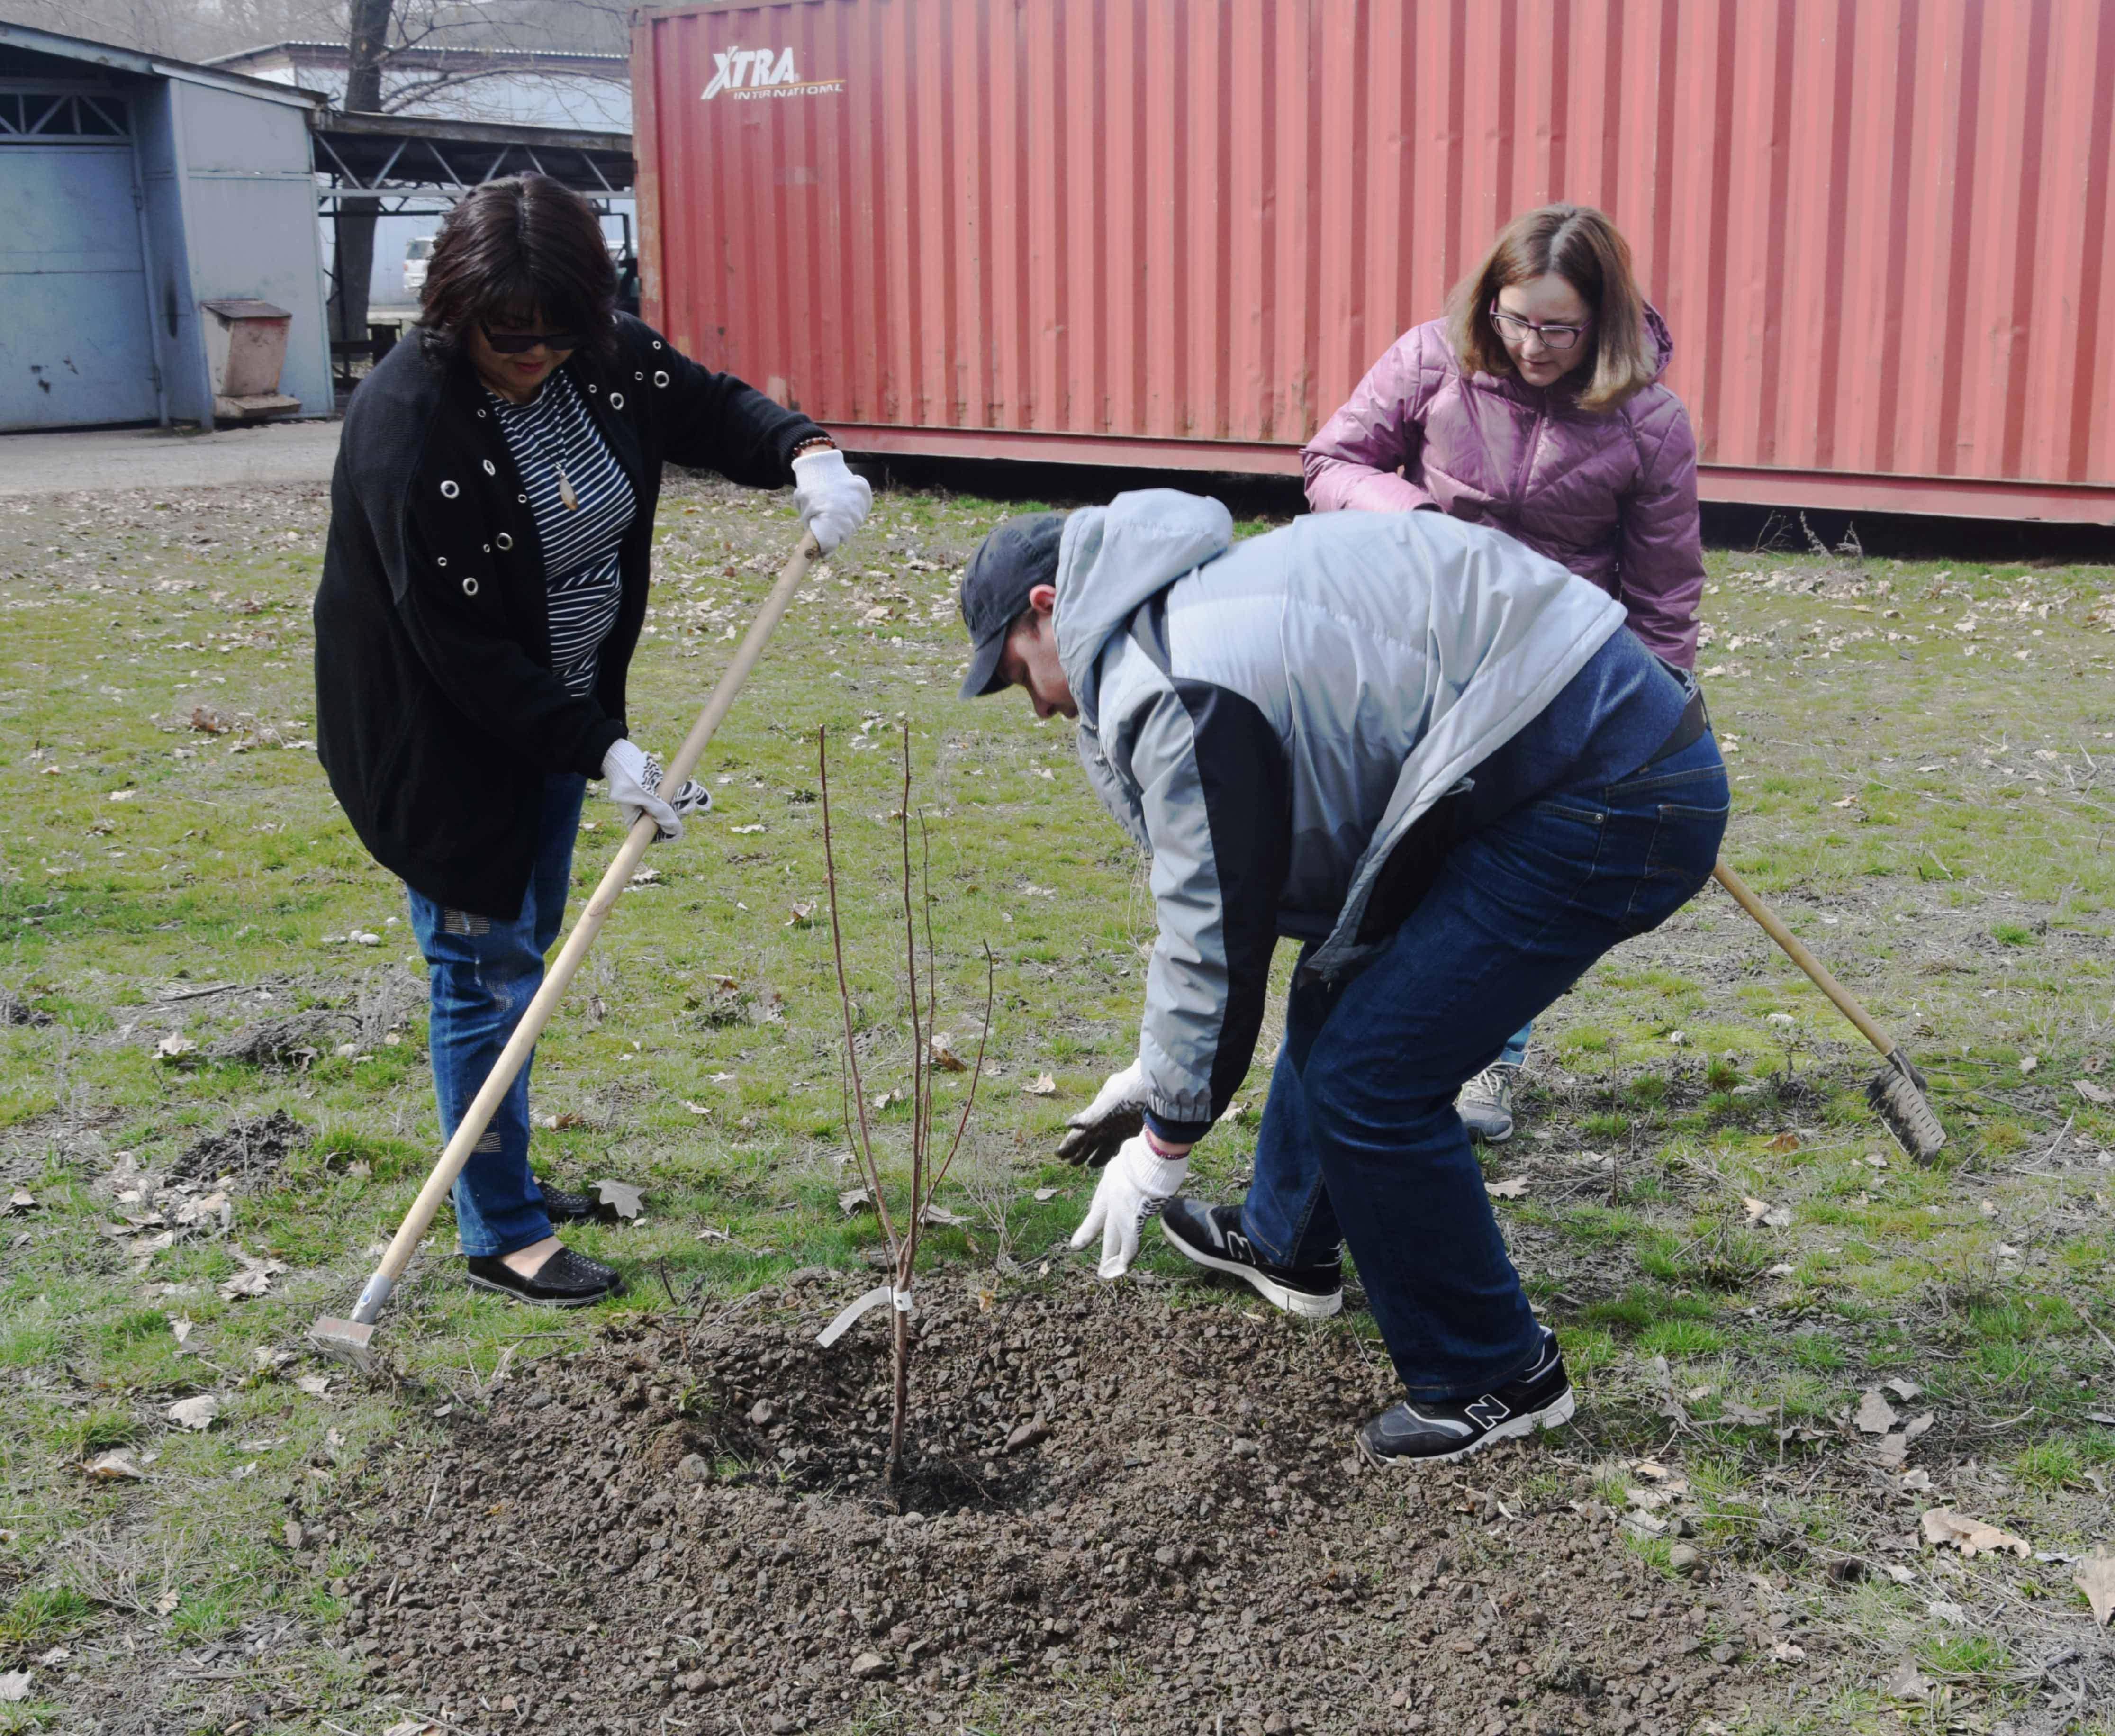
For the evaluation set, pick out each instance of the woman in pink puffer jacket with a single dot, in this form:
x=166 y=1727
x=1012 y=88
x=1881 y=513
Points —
x=1535 y=407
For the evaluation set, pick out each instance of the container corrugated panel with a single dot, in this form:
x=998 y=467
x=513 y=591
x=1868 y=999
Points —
x=1176 y=232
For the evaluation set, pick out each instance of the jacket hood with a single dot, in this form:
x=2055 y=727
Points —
x=1112 y=558
x=1662 y=340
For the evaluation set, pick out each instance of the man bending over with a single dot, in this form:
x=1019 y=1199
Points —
x=1433 y=758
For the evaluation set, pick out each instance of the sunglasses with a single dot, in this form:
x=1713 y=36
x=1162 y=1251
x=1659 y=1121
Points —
x=519 y=343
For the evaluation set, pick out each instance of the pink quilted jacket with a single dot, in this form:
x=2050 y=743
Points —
x=1612 y=495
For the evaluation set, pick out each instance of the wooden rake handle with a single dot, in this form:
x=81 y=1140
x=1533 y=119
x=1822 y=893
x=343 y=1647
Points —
x=1847 y=1003
x=515 y=1055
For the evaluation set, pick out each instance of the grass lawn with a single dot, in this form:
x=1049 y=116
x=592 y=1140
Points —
x=191 y=941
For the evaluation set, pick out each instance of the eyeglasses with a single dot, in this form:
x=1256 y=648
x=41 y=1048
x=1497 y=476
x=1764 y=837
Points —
x=1514 y=329
x=519 y=343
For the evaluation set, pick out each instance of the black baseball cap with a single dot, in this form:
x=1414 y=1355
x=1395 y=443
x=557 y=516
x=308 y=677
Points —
x=1020 y=555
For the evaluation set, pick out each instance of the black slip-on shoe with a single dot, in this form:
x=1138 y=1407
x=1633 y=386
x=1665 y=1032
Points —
x=561 y=1207
x=1540 y=1397
x=1211 y=1235
x=565 y=1280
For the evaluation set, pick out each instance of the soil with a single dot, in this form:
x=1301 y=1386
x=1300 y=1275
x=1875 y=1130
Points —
x=252 y=1151
x=1120 y=1510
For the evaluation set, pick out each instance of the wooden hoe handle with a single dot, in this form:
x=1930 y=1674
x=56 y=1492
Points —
x=515 y=1055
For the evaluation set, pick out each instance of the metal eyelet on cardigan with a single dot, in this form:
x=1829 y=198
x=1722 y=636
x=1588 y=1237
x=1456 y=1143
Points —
x=639 y=376
x=449 y=490
x=505 y=539
x=594 y=388
x=660 y=377
x=490 y=468
x=440 y=560
x=523 y=498
x=481 y=416
x=657 y=343
x=616 y=400
x=469 y=586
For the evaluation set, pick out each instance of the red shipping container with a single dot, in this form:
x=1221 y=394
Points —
x=1176 y=232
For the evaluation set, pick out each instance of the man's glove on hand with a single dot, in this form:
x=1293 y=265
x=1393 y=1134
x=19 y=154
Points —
x=832 y=501
x=1116 y=1114
x=635 y=786
x=1138 y=1182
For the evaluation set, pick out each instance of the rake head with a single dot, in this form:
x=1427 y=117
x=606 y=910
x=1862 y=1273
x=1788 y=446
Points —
x=1898 y=1093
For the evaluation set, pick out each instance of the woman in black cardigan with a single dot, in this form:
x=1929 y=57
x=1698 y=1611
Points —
x=492 y=518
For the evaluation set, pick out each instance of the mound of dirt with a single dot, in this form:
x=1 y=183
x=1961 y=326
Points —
x=1122 y=1511
x=252 y=1151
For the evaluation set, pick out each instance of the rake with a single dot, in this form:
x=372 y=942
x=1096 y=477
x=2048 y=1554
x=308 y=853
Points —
x=1897 y=1091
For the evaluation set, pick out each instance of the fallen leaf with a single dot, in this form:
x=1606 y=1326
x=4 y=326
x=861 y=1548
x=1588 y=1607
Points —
x=165 y=1604
x=173 y=1044
x=316 y=1385
x=115 y=1466
x=1988 y=1208
x=413 y=1727
x=1906 y=1682
x=940 y=1216
x=1902 y=1389
x=854 y=1200
x=1918 y=1481
x=1042 y=1085
x=1876 y=1415
x=1784 y=1651
x=1046 y=1193
x=2028 y=1064
x=1918 y=1424
x=2093 y=1093
x=646 y=876
x=194 y=1413
x=1755 y=1209
x=1777 y=1217
x=14 y=1687
x=1785 y=1142
x=709 y=1234
x=123 y=794
x=268 y=1358
x=695 y=1109
x=944 y=1056
x=1894 y=1452
x=1746 y=1414
x=621 y=1197
x=1972 y=1537
x=2096 y=1577
x=21 y=1200
x=181 y=1328
x=257 y=1281
x=803 y=917
x=1651 y=1468
x=1953 y=1613
x=744 y=831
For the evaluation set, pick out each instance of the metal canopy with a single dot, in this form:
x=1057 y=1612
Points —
x=413 y=165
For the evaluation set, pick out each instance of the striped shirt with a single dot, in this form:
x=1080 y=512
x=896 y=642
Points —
x=580 y=567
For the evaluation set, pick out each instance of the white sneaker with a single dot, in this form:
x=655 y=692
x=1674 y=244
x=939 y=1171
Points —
x=1485 y=1104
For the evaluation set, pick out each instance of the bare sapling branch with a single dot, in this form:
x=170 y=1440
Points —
x=926 y=1175
x=863 y=1147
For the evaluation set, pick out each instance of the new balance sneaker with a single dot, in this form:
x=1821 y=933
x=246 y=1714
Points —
x=1485 y=1104
x=1211 y=1235
x=1540 y=1397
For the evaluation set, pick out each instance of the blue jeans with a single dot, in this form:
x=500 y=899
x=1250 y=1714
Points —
x=1515 y=1053
x=483 y=974
x=1360 y=1141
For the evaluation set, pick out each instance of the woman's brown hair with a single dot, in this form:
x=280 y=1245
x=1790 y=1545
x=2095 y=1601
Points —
x=515 y=250
x=1589 y=252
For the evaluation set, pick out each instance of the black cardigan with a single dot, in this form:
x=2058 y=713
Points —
x=436 y=713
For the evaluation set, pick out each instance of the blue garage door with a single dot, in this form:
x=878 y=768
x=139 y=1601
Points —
x=74 y=345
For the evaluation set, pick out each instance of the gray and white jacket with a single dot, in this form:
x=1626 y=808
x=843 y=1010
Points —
x=1269 y=719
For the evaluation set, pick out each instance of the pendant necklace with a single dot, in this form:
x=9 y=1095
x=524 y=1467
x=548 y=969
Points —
x=572 y=500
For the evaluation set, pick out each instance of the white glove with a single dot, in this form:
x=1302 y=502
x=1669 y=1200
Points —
x=634 y=784
x=832 y=501
x=1138 y=1182
x=1117 y=1112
